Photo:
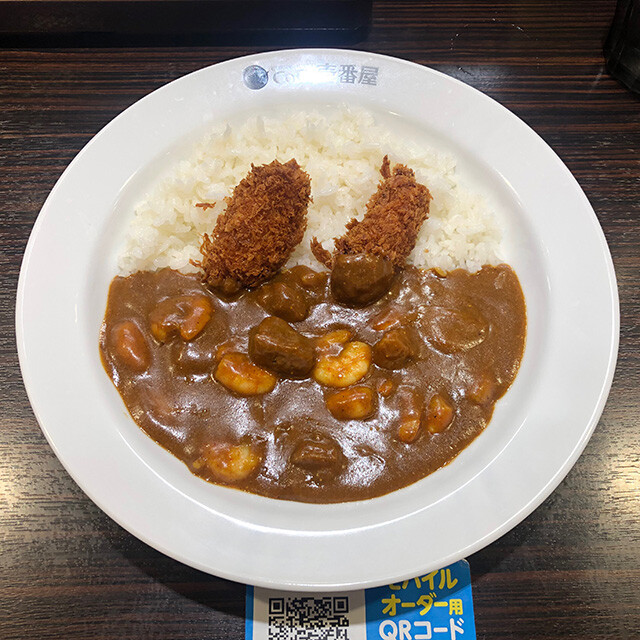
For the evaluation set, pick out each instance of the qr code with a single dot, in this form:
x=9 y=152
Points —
x=309 y=618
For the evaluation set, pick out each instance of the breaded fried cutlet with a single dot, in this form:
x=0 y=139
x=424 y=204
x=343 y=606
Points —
x=265 y=218
x=390 y=227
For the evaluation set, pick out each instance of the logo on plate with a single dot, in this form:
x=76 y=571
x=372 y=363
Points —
x=255 y=77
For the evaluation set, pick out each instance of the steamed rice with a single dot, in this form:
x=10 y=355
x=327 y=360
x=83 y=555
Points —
x=342 y=150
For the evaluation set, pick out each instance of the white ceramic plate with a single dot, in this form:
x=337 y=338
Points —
x=539 y=429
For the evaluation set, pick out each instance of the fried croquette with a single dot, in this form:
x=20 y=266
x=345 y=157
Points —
x=389 y=229
x=265 y=218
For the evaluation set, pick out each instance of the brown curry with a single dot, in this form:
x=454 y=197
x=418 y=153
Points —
x=316 y=386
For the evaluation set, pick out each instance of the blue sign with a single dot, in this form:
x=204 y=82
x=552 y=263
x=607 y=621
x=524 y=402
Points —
x=434 y=606
x=437 y=605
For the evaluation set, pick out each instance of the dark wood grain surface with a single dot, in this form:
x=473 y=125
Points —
x=570 y=570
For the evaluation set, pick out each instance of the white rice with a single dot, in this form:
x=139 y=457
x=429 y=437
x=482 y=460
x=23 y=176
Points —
x=342 y=150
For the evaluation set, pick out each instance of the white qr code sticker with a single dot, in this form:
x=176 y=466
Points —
x=434 y=606
x=284 y=615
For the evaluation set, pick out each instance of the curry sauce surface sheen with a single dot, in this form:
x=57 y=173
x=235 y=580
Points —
x=468 y=335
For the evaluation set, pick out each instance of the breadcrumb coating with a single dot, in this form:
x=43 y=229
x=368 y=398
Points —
x=395 y=213
x=265 y=218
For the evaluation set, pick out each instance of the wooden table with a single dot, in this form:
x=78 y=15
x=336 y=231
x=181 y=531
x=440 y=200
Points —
x=570 y=570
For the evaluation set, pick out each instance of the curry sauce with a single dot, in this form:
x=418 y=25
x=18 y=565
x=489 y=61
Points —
x=287 y=392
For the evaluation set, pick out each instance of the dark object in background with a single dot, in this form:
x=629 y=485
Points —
x=211 y=22
x=622 y=47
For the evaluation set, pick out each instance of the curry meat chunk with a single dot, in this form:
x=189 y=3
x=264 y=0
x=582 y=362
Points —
x=278 y=347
